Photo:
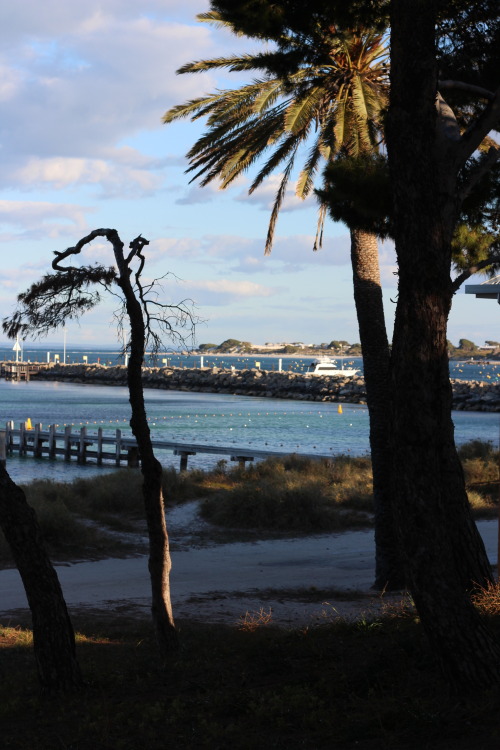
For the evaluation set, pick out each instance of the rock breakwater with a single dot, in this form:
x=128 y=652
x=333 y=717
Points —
x=467 y=395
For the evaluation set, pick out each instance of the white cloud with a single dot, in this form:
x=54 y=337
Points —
x=110 y=179
x=76 y=79
x=41 y=219
x=219 y=292
x=197 y=194
x=246 y=255
x=265 y=196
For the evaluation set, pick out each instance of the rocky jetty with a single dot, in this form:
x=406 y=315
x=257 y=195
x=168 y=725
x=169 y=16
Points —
x=467 y=395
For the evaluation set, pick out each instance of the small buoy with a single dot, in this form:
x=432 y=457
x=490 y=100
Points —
x=28 y=424
x=339 y=408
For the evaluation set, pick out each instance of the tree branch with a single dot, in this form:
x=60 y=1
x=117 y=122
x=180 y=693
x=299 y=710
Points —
x=489 y=261
x=482 y=167
x=477 y=132
x=468 y=87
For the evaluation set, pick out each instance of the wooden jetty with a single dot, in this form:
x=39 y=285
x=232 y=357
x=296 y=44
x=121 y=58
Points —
x=19 y=370
x=84 y=446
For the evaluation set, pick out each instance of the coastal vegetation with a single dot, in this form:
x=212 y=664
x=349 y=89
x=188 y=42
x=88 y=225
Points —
x=103 y=516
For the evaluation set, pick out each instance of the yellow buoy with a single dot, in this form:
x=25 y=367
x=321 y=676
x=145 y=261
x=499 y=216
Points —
x=339 y=408
x=28 y=424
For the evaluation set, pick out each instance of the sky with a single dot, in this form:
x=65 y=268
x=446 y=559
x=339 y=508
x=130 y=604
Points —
x=83 y=88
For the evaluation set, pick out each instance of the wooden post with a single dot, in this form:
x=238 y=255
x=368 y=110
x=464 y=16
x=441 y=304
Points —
x=9 y=436
x=242 y=460
x=67 y=442
x=22 y=439
x=99 y=446
x=52 y=441
x=184 y=457
x=36 y=441
x=82 y=446
x=3 y=448
x=118 y=447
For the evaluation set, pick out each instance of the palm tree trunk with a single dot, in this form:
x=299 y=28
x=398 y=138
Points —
x=376 y=356
x=53 y=636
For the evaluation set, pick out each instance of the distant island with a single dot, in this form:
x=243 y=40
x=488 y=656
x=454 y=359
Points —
x=465 y=350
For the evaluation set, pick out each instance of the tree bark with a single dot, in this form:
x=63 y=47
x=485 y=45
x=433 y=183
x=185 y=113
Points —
x=53 y=636
x=159 y=563
x=444 y=554
x=389 y=573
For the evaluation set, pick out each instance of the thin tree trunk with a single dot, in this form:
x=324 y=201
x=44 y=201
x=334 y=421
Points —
x=444 y=554
x=53 y=636
x=389 y=573
x=159 y=553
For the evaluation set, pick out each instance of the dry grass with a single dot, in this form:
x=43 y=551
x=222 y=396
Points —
x=488 y=600
x=291 y=495
x=251 y=621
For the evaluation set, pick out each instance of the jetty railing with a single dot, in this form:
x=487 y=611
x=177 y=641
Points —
x=84 y=446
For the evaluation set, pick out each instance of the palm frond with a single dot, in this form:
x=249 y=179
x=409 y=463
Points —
x=306 y=178
x=301 y=111
x=280 y=195
x=215 y=18
x=233 y=64
x=268 y=95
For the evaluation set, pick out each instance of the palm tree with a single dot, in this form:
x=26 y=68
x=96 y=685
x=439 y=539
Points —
x=332 y=108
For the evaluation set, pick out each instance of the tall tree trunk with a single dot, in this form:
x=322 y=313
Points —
x=389 y=573
x=53 y=636
x=444 y=553
x=159 y=553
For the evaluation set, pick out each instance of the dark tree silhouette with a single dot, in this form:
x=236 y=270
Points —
x=68 y=293
x=53 y=636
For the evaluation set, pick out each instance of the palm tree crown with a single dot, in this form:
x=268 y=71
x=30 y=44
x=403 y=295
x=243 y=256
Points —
x=333 y=105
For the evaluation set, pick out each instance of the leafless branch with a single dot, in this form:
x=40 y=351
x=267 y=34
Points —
x=482 y=167
x=467 y=87
x=479 y=129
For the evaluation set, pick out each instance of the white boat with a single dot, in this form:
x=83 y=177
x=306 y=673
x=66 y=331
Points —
x=325 y=366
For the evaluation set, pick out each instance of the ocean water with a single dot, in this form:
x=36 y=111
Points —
x=470 y=370
x=213 y=419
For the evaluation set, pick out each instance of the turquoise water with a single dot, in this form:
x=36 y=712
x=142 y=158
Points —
x=214 y=419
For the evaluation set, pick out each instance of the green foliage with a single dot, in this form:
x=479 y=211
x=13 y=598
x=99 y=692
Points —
x=206 y=347
x=471 y=245
x=357 y=192
x=229 y=344
x=466 y=345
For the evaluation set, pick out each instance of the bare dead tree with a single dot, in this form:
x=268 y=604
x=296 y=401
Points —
x=68 y=293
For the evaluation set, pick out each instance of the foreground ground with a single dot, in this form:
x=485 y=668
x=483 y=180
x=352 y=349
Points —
x=282 y=642
x=320 y=681
x=292 y=581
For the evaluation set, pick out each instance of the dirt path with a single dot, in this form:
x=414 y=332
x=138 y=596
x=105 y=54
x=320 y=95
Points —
x=296 y=582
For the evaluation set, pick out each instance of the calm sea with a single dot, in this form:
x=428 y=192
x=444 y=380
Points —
x=469 y=370
x=215 y=419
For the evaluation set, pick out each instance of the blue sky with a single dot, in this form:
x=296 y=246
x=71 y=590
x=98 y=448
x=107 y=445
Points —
x=83 y=87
